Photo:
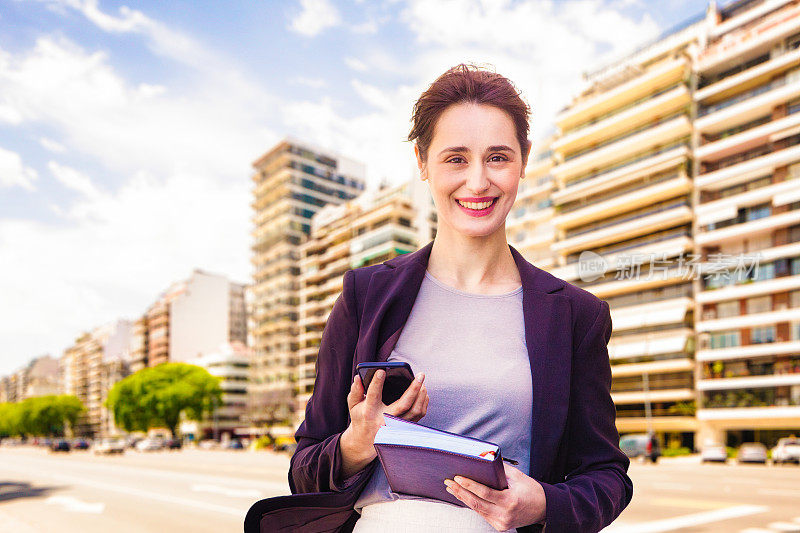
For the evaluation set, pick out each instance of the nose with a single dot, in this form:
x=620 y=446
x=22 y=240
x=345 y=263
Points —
x=477 y=180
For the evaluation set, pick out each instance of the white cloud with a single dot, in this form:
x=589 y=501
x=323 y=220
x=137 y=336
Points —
x=161 y=39
x=215 y=127
x=355 y=64
x=314 y=83
x=316 y=16
x=75 y=180
x=13 y=173
x=114 y=256
x=51 y=145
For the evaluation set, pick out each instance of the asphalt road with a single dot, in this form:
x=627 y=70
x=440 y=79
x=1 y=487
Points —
x=198 y=490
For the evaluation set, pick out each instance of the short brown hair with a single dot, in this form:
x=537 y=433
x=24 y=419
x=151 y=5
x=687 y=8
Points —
x=473 y=84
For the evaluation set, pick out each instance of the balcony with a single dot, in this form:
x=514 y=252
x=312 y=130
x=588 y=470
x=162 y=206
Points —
x=671 y=245
x=650 y=344
x=660 y=134
x=754 y=417
x=739 y=231
x=661 y=217
x=655 y=367
x=749 y=320
x=756 y=75
x=747 y=106
x=752 y=39
x=728 y=208
x=748 y=170
x=775 y=380
x=749 y=139
x=643 y=195
x=668 y=395
x=661 y=75
x=634 y=116
x=664 y=312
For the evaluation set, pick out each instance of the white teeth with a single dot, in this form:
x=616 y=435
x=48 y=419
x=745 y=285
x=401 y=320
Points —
x=474 y=205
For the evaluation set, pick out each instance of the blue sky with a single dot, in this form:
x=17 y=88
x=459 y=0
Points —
x=127 y=130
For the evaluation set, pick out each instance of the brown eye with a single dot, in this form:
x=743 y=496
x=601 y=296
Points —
x=502 y=158
x=452 y=159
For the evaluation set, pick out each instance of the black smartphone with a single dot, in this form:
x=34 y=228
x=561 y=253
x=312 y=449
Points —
x=398 y=377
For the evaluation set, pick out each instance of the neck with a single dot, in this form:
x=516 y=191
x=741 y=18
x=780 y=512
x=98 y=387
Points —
x=470 y=262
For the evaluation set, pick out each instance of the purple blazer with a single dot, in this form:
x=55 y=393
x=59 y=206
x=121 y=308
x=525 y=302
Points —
x=575 y=451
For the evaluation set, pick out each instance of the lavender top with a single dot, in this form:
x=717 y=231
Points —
x=472 y=350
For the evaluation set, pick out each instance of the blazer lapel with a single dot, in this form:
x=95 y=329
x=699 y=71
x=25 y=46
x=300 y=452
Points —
x=390 y=297
x=548 y=335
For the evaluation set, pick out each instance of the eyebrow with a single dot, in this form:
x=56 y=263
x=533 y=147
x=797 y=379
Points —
x=495 y=148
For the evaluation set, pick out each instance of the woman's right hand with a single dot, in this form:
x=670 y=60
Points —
x=366 y=417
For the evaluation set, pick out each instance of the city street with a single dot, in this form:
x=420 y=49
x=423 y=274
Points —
x=201 y=490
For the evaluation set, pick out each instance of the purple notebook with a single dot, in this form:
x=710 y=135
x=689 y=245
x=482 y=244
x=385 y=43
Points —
x=417 y=459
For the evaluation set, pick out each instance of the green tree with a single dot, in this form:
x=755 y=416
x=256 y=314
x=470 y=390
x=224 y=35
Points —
x=40 y=415
x=156 y=397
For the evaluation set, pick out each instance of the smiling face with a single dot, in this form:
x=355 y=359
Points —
x=473 y=167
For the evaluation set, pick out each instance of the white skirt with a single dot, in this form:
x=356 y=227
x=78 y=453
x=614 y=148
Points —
x=421 y=516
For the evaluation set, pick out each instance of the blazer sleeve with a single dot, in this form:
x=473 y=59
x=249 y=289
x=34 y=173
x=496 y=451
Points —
x=315 y=465
x=596 y=488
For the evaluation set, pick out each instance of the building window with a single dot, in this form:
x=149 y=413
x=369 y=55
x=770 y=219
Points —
x=762 y=304
x=725 y=339
x=762 y=334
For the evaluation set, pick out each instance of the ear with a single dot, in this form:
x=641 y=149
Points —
x=420 y=164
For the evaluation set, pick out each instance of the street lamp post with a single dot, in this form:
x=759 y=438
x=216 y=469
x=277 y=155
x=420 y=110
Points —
x=647 y=411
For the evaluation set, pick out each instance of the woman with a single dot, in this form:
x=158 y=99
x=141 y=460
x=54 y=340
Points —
x=502 y=350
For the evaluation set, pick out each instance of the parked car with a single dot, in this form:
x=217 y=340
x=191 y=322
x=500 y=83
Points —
x=173 y=444
x=234 y=444
x=786 y=451
x=641 y=445
x=209 y=444
x=150 y=445
x=714 y=453
x=80 y=444
x=109 y=446
x=60 y=445
x=752 y=452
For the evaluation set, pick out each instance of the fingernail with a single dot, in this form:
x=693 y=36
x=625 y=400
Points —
x=420 y=376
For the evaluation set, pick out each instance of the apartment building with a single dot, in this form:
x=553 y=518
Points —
x=292 y=182
x=90 y=367
x=40 y=377
x=529 y=226
x=373 y=228
x=230 y=363
x=747 y=231
x=193 y=316
x=623 y=224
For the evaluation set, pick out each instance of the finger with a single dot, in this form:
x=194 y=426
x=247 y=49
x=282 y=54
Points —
x=375 y=390
x=406 y=401
x=481 y=506
x=356 y=393
x=480 y=490
x=417 y=410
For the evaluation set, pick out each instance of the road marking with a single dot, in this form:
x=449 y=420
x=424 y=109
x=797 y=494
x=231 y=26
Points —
x=791 y=493
x=227 y=491
x=670 y=524
x=784 y=526
x=688 y=503
x=164 y=498
x=672 y=486
x=68 y=503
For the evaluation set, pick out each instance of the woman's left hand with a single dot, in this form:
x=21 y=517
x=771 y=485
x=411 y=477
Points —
x=521 y=504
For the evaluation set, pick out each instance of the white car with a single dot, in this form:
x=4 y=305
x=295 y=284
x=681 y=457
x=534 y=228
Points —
x=714 y=453
x=149 y=445
x=787 y=451
x=109 y=446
